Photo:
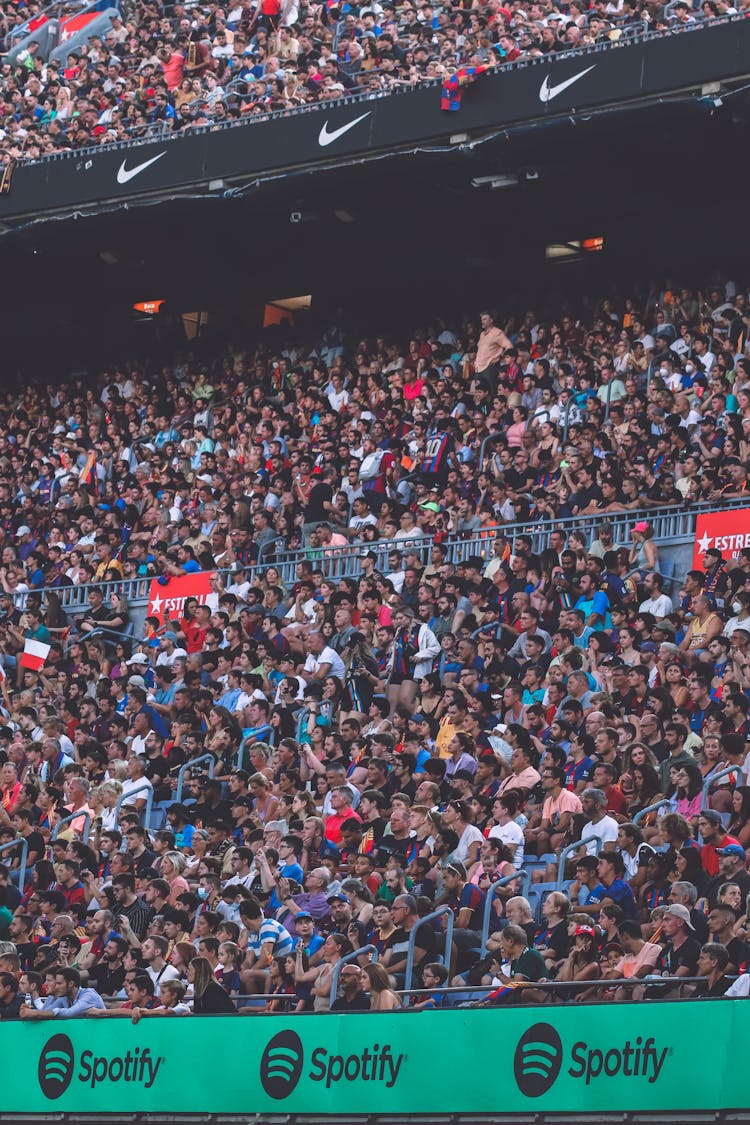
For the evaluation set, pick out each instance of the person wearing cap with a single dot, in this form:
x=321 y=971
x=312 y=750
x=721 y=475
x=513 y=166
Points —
x=715 y=839
x=680 y=949
x=644 y=555
x=732 y=869
x=582 y=963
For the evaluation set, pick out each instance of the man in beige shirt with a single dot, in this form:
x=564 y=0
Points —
x=492 y=344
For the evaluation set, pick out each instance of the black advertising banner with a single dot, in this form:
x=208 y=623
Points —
x=327 y=134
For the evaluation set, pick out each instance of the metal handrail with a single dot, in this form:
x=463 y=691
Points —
x=146 y=787
x=525 y=878
x=729 y=771
x=82 y=638
x=650 y=808
x=24 y=846
x=428 y=918
x=671 y=522
x=574 y=847
x=69 y=820
x=193 y=762
x=355 y=953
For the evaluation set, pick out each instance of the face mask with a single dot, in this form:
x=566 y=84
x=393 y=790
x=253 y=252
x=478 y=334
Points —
x=737 y=607
x=202 y=893
x=690 y=368
x=664 y=371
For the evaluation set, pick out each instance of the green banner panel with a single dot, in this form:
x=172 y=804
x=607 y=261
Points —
x=660 y=1056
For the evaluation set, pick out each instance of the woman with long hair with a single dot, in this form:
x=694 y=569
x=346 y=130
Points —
x=689 y=792
x=582 y=963
x=376 y=981
x=739 y=822
x=690 y=869
x=208 y=995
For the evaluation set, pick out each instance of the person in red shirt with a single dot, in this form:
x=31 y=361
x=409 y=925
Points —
x=10 y=787
x=341 y=802
x=69 y=883
x=714 y=837
x=604 y=777
x=194 y=625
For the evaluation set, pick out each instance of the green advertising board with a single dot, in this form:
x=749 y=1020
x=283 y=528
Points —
x=660 y=1056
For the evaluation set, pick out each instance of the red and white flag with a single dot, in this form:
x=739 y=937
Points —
x=34 y=654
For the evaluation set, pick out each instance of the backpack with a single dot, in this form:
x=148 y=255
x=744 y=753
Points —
x=370 y=467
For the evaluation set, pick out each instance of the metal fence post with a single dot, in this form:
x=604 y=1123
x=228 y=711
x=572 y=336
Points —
x=428 y=918
x=355 y=953
x=24 y=846
x=574 y=847
x=69 y=820
x=147 y=788
x=524 y=877
x=193 y=762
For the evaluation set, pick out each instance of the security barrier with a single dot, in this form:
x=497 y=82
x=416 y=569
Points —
x=661 y=1056
x=672 y=526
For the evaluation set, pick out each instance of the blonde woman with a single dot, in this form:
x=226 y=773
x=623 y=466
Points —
x=103 y=801
x=173 y=865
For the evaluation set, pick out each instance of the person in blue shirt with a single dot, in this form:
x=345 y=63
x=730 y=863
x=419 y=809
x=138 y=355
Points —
x=290 y=850
x=612 y=887
x=594 y=604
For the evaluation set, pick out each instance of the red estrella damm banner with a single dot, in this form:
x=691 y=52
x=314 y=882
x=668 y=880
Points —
x=167 y=599
x=727 y=531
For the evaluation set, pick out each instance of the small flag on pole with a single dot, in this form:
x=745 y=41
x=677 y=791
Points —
x=34 y=654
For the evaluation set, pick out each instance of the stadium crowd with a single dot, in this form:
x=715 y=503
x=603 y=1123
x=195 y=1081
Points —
x=175 y=66
x=397 y=740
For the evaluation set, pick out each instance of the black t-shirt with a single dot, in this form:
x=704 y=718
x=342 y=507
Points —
x=358 y=1003
x=27 y=951
x=554 y=938
x=739 y=954
x=425 y=940
x=320 y=494
x=214 y=999
x=107 y=982
x=390 y=846
x=672 y=959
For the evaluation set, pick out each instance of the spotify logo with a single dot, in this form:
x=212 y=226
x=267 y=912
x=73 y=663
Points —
x=281 y=1064
x=56 y=1066
x=537 y=1060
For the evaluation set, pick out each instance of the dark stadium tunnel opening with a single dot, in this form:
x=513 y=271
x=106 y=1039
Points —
x=401 y=239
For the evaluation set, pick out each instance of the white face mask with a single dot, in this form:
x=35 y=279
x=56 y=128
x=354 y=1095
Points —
x=737 y=607
x=664 y=371
x=690 y=368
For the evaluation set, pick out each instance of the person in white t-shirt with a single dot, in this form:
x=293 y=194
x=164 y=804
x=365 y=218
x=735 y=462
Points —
x=505 y=828
x=599 y=825
x=322 y=660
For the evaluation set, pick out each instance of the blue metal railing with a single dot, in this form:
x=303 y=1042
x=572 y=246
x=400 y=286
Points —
x=522 y=877
x=649 y=809
x=571 y=848
x=730 y=771
x=355 y=953
x=69 y=820
x=426 y=921
x=145 y=787
x=24 y=846
x=193 y=762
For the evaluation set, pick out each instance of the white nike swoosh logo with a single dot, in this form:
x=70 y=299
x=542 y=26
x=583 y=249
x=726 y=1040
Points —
x=124 y=174
x=547 y=92
x=326 y=138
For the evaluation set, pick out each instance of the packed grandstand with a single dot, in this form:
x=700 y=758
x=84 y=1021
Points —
x=417 y=713
x=149 y=69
